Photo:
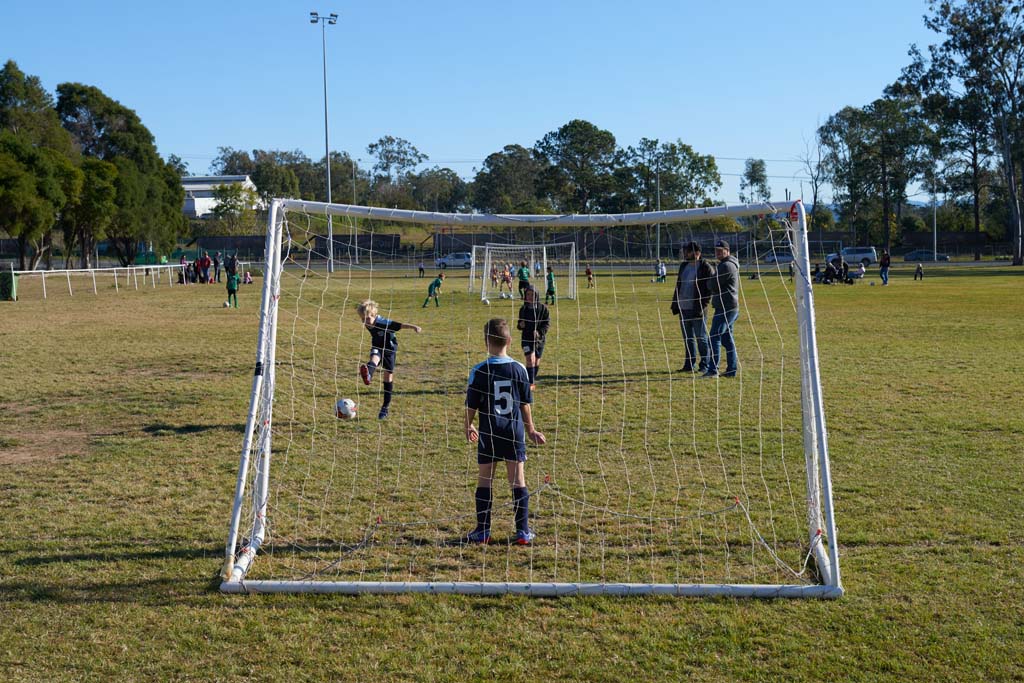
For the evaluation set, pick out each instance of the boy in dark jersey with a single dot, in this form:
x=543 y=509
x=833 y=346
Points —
x=551 y=286
x=534 y=321
x=433 y=290
x=383 y=347
x=500 y=391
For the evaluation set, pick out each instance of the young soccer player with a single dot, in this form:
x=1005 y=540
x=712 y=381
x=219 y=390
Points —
x=383 y=348
x=506 y=279
x=233 y=281
x=551 y=286
x=524 y=278
x=534 y=321
x=434 y=290
x=499 y=390
x=590 y=277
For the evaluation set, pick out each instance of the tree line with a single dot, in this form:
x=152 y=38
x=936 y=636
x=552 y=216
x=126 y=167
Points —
x=81 y=165
x=951 y=121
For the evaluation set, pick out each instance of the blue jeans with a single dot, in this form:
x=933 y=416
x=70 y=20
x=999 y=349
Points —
x=695 y=338
x=884 y=274
x=721 y=333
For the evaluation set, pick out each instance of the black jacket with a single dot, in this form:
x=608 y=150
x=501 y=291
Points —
x=705 y=274
x=535 y=318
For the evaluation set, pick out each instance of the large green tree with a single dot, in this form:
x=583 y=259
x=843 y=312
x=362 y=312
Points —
x=36 y=183
x=509 y=182
x=149 y=193
x=84 y=223
x=439 y=189
x=580 y=160
x=982 y=52
x=396 y=158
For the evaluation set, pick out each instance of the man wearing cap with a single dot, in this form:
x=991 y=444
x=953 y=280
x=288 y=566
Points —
x=725 y=298
x=689 y=302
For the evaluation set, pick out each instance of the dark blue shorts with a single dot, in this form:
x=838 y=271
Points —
x=387 y=358
x=535 y=347
x=487 y=458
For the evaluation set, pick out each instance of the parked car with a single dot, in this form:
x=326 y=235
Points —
x=924 y=255
x=456 y=259
x=865 y=255
x=779 y=256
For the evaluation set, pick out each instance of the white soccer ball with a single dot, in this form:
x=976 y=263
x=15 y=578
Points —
x=346 y=409
x=227 y=304
x=487 y=302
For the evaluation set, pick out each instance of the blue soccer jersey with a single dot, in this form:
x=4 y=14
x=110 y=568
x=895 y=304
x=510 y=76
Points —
x=382 y=334
x=497 y=388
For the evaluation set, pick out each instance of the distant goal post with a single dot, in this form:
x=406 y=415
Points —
x=490 y=261
x=307 y=501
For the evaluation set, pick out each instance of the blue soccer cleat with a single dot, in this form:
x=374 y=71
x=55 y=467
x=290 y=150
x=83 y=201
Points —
x=525 y=537
x=480 y=536
x=383 y=413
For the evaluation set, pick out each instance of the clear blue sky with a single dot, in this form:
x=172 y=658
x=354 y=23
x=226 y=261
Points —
x=733 y=78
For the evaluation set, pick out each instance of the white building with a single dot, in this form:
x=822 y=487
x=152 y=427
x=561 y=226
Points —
x=199 y=200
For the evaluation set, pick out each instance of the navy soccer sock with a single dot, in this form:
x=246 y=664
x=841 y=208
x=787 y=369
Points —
x=388 y=388
x=483 y=509
x=371 y=368
x=521 y=506
x=532 y=374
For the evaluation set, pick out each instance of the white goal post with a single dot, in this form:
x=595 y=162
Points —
x=491 y=259
x=721 y=506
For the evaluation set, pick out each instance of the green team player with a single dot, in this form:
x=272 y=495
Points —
x=233 y=281
x=434 y=290
x=524 y=278
x=550 y=293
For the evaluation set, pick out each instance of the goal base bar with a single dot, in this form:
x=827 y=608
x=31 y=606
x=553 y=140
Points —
x=535 y=589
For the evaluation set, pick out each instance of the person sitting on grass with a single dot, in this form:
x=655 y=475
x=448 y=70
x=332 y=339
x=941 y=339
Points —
x=434 y=291
x=383 y=349
x=499 y=391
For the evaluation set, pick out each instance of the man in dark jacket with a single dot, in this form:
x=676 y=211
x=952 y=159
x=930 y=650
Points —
x=689 y=302
x=725 y=298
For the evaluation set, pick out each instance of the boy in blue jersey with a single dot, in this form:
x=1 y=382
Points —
x=383 y=348
x=499 y=389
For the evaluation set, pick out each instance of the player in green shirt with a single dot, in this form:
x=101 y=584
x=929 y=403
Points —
x=233 y=281
x=524 y=278
x=550 y=293
x=434 y=290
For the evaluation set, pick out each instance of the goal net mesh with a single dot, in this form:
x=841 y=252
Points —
x=650 y=476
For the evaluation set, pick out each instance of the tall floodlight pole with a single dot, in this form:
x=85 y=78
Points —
x=331 y=19
x=658 y=205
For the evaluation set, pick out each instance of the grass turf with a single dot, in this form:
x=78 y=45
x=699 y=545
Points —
x=123 y=416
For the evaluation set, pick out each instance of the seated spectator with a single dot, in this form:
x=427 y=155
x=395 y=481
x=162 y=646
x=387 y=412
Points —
x=247 y=280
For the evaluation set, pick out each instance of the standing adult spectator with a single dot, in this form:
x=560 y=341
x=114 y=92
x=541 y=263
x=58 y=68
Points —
x=919 y=273
x=204 y=265
x=690 y=303
x=725 y=298
x=231 y=264
x=216 y=266
x=422 y=269
x=883 y=267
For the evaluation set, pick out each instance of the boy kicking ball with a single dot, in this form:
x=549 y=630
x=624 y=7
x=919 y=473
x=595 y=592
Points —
x=499 y=389
x=383 y=348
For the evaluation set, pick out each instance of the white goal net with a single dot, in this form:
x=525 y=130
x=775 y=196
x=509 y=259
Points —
x=495 y=268
x=651 y=480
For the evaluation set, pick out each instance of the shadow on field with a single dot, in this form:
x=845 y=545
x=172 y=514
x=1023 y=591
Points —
x=122 y=553
x=163 y=429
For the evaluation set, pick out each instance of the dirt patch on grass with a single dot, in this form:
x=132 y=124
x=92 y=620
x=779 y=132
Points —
x=42 y=445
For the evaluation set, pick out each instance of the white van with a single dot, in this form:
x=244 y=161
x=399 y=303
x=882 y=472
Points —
x=865 y=255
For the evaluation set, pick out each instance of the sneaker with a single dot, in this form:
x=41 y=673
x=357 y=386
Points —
x=383 y=413
x=480 y=536
x=710 y=374
x=729 y=373
x=364 y=372
x=685 y=368
x=525 y=537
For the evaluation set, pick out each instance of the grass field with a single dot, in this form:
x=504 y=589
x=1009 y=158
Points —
x=123 y=415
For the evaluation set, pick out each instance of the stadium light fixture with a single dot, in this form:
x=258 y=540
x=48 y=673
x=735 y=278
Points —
x=332 y=19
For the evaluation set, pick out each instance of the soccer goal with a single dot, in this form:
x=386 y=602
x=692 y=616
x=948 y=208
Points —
x=495 y=258
x=651 y=480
